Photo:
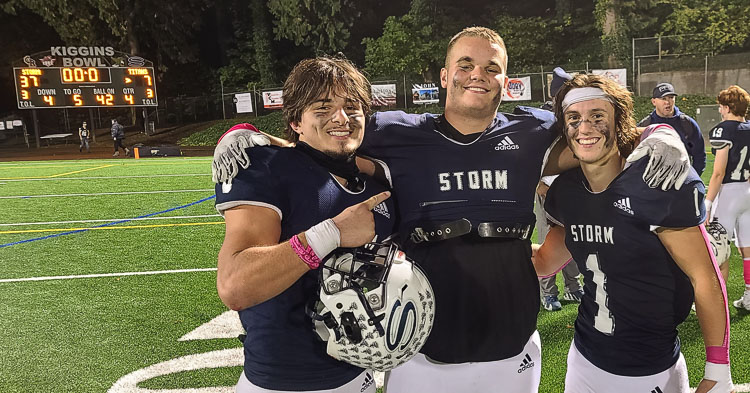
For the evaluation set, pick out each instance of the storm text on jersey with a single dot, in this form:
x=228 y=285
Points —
x=474 y=180
x=592 y=234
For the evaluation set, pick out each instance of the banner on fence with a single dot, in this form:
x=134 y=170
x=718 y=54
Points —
x=272 y=99
x=519 y=89
x=619 y=75
x=244 y=102
x=426 y=93
x=384 y=95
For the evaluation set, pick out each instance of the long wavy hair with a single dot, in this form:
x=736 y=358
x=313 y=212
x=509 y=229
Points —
x=626 y=135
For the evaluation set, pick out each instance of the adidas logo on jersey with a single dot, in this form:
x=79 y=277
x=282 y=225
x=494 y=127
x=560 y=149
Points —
x=657 y=390
x=369 y=380
x=506 y=144
x=526 y=364
x=382 y=209
x=624 y=205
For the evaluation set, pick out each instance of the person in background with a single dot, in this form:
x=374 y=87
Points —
x=666 y=112
x=118 y=134
x=570 y=273
x=729 y=190
x=83 y=135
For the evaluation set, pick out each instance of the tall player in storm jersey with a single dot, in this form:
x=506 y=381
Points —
x=464 y=186
x=643 y=254
x=279 y=227
x=730 y=184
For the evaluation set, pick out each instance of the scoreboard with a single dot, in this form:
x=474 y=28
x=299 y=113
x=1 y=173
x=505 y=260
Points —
x=82 y=87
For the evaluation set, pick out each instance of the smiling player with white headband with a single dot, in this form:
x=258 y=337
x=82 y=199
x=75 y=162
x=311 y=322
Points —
x=643 y=254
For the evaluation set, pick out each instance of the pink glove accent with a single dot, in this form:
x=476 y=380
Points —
x=241 y=126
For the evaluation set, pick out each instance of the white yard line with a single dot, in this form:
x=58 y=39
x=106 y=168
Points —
x=7 y=280
x=105 y=177
x=103 y=193
x=109 y=220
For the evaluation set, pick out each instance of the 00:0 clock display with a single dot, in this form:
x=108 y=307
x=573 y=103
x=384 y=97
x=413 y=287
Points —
x=85 y=75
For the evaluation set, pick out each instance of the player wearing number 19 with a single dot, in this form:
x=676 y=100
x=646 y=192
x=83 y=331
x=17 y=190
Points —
x=729 y=186
x=643 y=253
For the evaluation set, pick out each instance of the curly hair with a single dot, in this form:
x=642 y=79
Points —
x=312 y=78
x=625 y=133
x=736 y=98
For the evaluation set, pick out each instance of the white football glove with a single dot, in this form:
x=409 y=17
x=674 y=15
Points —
x=230 y=154
x=668 y=163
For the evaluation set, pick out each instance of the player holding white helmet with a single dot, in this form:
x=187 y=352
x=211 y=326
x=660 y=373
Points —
x=284 y=215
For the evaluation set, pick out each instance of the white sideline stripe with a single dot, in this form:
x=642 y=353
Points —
x=107 y=177
x=738 y=388
x=208 y=269
x=114 y=219
x=103 y=193
x=222 y=358
x=226 y=325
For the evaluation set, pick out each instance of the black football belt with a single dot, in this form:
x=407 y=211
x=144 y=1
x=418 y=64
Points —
x=448 y=230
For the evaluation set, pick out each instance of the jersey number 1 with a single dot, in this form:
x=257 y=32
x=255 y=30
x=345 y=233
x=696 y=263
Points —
x=604 y=321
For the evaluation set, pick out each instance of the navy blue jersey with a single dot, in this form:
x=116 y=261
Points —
x=736 y=135
x=635 y=294
x=437 y=179
x=486 y=289
x=281 y=350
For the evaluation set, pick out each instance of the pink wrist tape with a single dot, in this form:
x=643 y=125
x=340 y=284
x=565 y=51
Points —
x=306 y=254
x=718 y=355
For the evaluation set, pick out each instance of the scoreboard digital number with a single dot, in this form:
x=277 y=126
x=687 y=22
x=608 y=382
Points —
x=61 y=87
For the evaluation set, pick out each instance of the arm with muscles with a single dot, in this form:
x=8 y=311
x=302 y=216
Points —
x=551 y=256
x=668 y=164
x=230 y=154
x=253 y=267
x=717 y=177
x=689 y=248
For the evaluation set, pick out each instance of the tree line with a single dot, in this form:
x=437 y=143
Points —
x=254 y=43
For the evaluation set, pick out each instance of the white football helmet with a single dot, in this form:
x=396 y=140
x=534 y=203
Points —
x=719 y=241
x=376 y=306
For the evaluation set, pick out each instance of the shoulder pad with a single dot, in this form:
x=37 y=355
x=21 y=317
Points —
x=545 y=116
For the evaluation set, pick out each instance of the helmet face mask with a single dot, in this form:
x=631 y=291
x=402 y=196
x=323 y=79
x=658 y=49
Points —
x=720 y=246
x=376 y=306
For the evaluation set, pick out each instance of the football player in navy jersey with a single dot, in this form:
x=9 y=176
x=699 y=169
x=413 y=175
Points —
x=644 y=255
x=284 y=214
x=465 y=184
x=729 y=187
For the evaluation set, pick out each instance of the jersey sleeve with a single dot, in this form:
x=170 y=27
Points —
x=721 y=135
x=672 y=208
x=258 y=185
x=552 y=201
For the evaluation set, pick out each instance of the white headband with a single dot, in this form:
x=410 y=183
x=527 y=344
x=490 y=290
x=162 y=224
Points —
x=583 y=94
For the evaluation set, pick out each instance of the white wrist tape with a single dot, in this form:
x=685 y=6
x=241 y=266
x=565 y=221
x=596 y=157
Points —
x=721 y=374
x=323 y=238
x=708 y=204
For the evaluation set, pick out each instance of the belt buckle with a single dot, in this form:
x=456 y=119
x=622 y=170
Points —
x=418 y=236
